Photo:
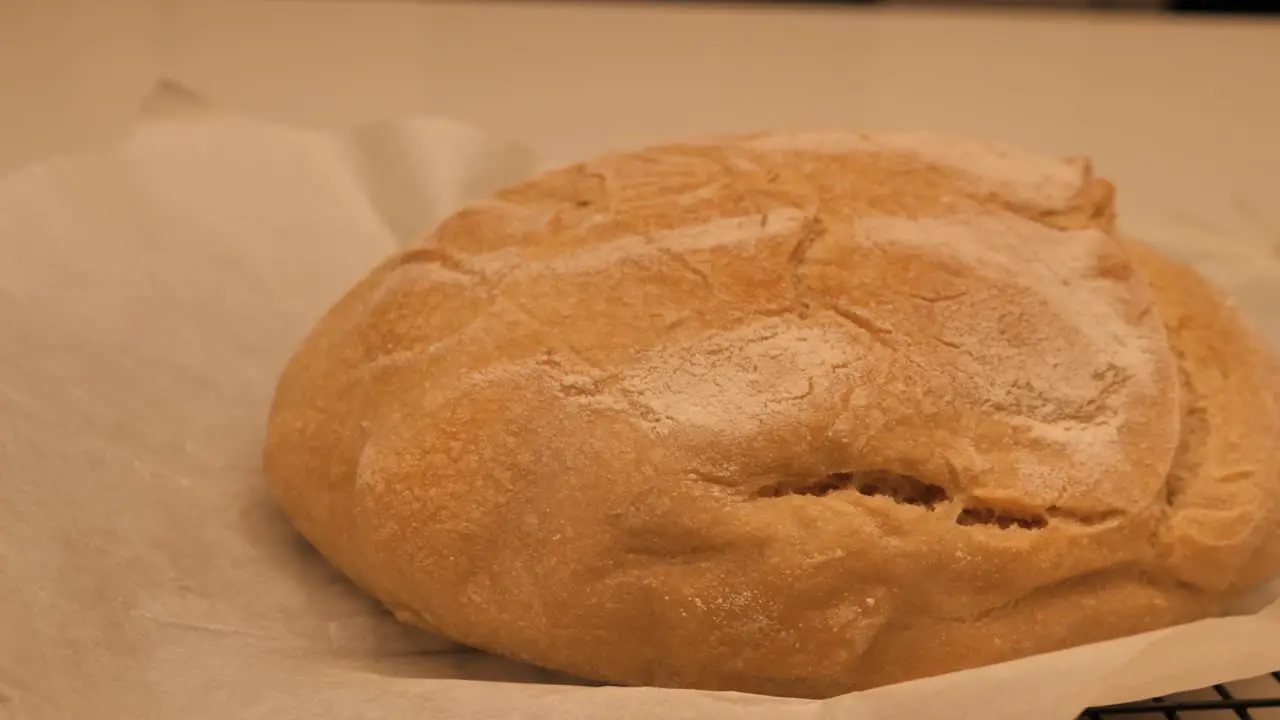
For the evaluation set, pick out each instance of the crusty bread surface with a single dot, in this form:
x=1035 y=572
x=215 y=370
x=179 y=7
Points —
x=795 y=414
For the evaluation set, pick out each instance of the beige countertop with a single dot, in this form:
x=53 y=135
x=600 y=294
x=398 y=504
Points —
x=1182 y=114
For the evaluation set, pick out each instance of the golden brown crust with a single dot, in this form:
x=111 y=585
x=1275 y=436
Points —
x=786 y=414
x=1223 y=492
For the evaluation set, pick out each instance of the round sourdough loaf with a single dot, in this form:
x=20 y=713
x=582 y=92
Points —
x=791 y=414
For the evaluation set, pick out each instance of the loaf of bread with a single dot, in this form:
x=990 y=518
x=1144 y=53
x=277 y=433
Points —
x=795 y=414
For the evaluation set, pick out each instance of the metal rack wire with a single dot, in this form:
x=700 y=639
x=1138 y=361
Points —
x=1257 y=699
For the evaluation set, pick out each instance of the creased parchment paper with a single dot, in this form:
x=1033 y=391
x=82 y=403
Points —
x=149 y=295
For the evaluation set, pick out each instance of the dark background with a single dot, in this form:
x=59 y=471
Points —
x=1239 y=6
x=1246 y=7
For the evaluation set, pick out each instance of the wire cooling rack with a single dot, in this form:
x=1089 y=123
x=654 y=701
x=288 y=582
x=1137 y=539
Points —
x=1256 y=699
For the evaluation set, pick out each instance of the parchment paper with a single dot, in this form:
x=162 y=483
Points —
x=149 y=295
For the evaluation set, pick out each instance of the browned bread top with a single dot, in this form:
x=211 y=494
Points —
x=794 y=414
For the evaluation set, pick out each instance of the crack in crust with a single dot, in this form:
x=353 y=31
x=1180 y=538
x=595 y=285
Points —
x=902 y=489
x=814 y=229
x=1194 y=428
x=863 y=321
x=912 y=491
